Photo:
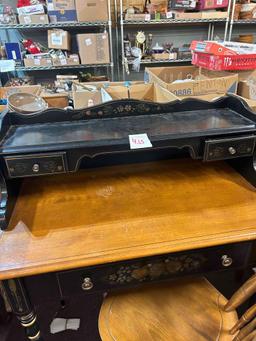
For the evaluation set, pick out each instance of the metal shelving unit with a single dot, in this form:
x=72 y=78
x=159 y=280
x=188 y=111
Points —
x=245 y=22
x=172 y=21
x=60 y=67
x=237 y=22
x=163 y=61
x=168 y=22
x=67 y=25
x=55 y=25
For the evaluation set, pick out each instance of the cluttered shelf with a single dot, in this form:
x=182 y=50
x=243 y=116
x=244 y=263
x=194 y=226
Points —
x=157 y=61
x=54 y=25
x=60 y=67
x=89 y=45
x=245 y=21
x=172 y=21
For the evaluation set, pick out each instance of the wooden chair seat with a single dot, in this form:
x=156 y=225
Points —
x=183 y=310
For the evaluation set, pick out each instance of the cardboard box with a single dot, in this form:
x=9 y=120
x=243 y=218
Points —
x=93 y=48
x=33 y=9
x=211 y=4
x=201 y=15
x=33 y=19
x=55 y=100
x=30 y=62
x=117 y=91
x=246 y=75
x=247 y=90
x=182 y=4
x=61 y=10
x=139 y=17
x=164 y=56
x=213 y=15
x=92 y=10
x=71 y=60
x=151 y=93
x=188 y=81
x=59 y=39
x=247 y=85
x=84 y=99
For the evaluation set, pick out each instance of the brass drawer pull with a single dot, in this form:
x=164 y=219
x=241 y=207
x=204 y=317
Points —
x=87 y=284
x=226 y=261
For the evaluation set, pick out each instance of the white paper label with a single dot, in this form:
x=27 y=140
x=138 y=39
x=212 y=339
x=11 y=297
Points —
x=219 y=2
x=50 y=7
x=88 y=42
x=139 y=141
x=104 y=36
x=37 y=61
x=56 y=39
x=7 y=65
x=63 y=61
x=147 y=17
x=27 y=20
x=14 y=56
x=169 y=15
x=90 y=102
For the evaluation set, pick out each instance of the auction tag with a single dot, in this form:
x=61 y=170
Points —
x=63 y=61
x=139 y=141
x=88 y=42
x=147 y=17
x=56 y=39
x=169 y=15
x=27 y=19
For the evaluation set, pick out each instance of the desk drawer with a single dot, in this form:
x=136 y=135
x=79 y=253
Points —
x=35 y=164
x=222 y=149
x=133 y=272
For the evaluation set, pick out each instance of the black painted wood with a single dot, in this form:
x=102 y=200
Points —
x=56 y=141
x=20 y=303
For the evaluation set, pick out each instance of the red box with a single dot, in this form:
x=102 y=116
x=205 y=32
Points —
x=222 y=48
x=224 y=62
x=211 y=4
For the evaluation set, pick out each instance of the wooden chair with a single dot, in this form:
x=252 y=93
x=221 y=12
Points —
x=183 y=310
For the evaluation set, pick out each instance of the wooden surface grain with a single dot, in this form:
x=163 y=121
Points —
x=123 y=212
x=188 y=309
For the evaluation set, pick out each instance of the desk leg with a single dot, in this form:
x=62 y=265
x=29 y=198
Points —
x=22 y=308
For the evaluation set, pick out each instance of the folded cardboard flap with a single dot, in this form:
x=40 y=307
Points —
x=84 y=99
x=191 y=81
x=118 y=90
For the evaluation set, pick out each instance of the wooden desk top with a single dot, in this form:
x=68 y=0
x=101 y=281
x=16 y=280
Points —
x=123 y=212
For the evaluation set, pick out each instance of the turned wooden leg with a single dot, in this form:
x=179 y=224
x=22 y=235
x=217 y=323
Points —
x=22 y=308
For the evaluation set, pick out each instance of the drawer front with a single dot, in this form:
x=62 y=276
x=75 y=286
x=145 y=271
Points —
x=34 y=165
x=150 y=269
x=221 y=149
